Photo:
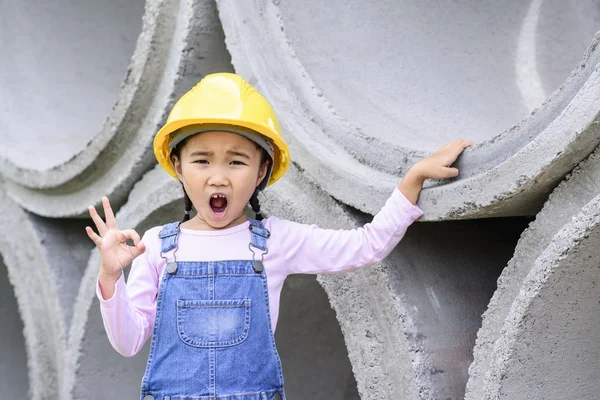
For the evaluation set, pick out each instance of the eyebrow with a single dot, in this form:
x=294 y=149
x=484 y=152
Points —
x=201 y=153
x=238 y=153
x=210 y=153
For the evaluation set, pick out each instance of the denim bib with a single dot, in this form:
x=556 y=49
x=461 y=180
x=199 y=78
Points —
x=212 y=336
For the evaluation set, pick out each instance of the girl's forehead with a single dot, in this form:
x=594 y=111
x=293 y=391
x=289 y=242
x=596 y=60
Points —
x=219 y=139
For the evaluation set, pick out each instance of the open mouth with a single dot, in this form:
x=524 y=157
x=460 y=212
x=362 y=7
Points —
x=218 y=205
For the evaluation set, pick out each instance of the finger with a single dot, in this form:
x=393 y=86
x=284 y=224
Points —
x=461 y=146
x=97 y=220
x=137 y=250
x=94 y=236
x=441 y=149
x=451 y=172
x=108 y=213
x=131 y=234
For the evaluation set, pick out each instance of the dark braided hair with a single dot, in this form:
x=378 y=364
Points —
x=254 y=203
x=254 y=198
x=188 y=205
x=186 y=199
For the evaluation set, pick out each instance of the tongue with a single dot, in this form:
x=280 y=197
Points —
x=219 y=202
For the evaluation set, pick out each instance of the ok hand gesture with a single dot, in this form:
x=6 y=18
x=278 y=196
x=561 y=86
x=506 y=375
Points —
x=115 y=253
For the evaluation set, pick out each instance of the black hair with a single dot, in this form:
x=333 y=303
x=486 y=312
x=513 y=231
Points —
x=256 y=205
x=188 y=205
x=254 y=198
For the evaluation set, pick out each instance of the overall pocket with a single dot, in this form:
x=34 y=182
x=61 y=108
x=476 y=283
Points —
x=213 y=323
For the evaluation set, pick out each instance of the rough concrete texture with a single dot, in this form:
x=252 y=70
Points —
x=37 y=299
x=179 y=42
x=558 y=227
x=548 y=348
x=363 y=91
x=13 y=369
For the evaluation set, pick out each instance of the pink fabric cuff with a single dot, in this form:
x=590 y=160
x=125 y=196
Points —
x=119 y=288
x=412 y=210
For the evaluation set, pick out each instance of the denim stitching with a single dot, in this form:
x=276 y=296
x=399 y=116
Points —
x=208 y=270
x=183 y=304
x=272 y=335
x=158 y=314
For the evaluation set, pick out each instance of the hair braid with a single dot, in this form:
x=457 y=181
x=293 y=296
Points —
x=188 y=205
x=256 y=205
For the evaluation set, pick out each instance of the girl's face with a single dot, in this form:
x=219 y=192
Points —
x=220 y=171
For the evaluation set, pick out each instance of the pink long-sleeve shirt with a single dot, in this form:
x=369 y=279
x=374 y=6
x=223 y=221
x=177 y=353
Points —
x=294 y=248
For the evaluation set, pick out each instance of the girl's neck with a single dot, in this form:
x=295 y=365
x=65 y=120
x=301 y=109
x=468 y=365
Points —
x=198 y=224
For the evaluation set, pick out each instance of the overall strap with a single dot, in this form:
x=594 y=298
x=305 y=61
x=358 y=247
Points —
x=168 y=243
x=259 y=240
x=259 y=235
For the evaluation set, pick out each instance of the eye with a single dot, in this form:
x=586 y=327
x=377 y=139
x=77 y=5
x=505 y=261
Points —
x=236 y=162
x=201 y=161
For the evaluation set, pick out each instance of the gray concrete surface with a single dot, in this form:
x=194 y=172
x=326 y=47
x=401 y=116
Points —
x=362 y=90
x=48 y=89
x=13 y=368
x=443 y=275
x=414 y=76
x=180 y=41
x=531 y=272
x=66 y=249
x=37 y=300
x=549 y=347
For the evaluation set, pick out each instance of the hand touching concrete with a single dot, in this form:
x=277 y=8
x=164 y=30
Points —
x=115 y=253
x=436 y=166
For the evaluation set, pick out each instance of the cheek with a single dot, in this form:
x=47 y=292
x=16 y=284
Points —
x=244 y=186
x=194 y=178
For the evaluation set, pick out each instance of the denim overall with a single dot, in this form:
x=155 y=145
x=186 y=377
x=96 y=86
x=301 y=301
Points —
x=212 y=336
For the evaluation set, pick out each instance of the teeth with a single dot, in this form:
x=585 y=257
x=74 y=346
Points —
x=216 y=196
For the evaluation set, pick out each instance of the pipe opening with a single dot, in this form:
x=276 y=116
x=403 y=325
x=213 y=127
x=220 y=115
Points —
x=67 y=62
x=421 y=73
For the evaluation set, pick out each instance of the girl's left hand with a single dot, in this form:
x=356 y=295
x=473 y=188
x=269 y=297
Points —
x=437 y=166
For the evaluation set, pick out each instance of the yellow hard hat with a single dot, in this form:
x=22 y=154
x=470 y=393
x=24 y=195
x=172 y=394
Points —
x=224 y=102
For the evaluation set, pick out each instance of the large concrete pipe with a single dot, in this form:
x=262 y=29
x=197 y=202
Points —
x=13 y=368
x=362 y=91
x=365 y=90
x=74 y=130
x=538 y=337
x=29 y=272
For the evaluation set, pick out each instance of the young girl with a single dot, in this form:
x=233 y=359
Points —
x=207 y=288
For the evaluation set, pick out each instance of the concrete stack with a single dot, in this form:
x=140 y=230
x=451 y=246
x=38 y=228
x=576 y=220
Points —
x=492 y=294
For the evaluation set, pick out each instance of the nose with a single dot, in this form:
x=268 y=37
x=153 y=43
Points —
x=218 y=177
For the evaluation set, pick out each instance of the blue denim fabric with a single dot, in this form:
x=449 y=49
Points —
x=212 y=337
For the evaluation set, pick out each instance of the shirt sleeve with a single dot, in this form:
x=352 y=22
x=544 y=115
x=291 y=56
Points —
x=313 y=250
x=128 y=316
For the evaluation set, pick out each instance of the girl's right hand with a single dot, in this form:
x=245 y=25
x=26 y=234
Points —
x=115 y=253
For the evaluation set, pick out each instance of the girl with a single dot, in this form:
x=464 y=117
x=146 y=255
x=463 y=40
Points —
x=206 y=289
